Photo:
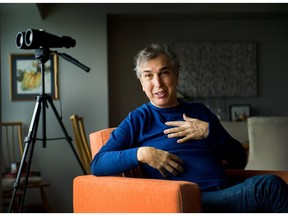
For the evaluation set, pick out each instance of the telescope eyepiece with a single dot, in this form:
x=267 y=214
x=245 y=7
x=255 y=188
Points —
x=20 y=40
x=29 y=37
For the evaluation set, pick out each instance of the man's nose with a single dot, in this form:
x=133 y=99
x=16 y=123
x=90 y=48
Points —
x=157 y=81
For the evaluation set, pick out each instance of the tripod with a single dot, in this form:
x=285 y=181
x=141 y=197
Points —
x=41 y=104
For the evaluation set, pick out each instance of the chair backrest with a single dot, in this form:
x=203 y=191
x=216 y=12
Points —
x=98 y=139
x=83 y=148
x=12 y=143
x=268 y=143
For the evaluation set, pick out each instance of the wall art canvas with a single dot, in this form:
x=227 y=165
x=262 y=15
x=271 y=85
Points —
x=217 y=69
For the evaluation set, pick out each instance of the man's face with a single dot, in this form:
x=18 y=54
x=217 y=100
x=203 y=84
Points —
x=159 y=81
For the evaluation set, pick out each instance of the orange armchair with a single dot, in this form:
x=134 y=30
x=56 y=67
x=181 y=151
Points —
x=124 y=194
x=115 y=194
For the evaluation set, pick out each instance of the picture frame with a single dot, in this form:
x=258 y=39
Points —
x=26 y=77
x=240 y=112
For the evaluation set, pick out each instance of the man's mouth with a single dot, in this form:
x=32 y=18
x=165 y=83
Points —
x=160 y=94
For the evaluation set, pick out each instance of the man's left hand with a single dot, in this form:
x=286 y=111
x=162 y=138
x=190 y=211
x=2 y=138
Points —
x=189 y=129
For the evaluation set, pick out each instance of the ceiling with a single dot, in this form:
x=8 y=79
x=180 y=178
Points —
x=179 y=11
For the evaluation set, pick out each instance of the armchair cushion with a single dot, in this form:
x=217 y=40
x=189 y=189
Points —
x=129 y=195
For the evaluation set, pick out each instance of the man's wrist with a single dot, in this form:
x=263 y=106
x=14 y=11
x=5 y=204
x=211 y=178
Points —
x=140 y=154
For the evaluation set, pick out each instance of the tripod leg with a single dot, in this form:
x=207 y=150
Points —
x=27 y=175
x=31 y=138
x=28 y=166
x=68 y=138
x=17 y=181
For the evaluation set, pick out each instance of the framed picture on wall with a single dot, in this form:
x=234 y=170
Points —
x=240 y=112
x=26 y=77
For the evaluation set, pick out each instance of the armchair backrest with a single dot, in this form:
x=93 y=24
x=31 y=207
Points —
x=98 y=139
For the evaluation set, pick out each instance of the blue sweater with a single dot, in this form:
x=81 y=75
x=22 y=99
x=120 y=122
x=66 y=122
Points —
x=144 y=127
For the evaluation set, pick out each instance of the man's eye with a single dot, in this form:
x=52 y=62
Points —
x=147 y=76
x=165 y=73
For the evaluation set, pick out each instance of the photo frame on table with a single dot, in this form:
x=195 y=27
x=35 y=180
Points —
x=240 y=112
x=26 y=77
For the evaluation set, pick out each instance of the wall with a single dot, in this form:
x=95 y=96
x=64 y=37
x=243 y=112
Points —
x=268 y=31
x=87 y=94
x=81 y=93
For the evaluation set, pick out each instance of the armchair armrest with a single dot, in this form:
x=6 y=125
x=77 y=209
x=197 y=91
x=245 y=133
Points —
x=241 y=175
x=135 y=195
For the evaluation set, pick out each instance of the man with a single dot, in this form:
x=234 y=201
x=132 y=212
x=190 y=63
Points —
x=173 y=139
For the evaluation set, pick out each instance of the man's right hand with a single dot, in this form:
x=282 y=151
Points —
x=161 y=160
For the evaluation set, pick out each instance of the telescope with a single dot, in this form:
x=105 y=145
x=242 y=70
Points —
x=39 y=39
x=41 y=42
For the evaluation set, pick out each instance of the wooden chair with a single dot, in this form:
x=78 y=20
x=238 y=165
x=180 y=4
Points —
x=12 y=143
x=12 y=150
x=83 y=148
